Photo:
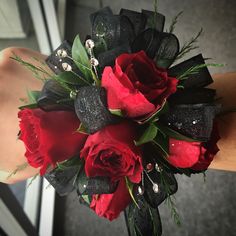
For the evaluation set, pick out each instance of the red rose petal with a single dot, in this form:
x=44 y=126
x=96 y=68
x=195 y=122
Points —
x=111 y=205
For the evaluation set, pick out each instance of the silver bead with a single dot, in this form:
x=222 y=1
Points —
x=61 y=53
x=94 y=61
x=155 y=188
x=140 y=190
x=73 y=94
x=158 y=168
x=89 y=44
x=195 y=122
x=66 y=66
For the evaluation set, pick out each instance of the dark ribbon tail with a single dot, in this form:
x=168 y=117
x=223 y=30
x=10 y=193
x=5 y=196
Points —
x=196 y=80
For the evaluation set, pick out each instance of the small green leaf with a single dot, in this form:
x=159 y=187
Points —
x=29 y=106
x=162 y=143
x=18 y=168
x=81 y=59
x=154 y=117
x=116 y=112
x=130 y=186
x=70 y=78
x=33 y=96
x=148 y=135
x=73 y=161
x=174 y=134
x=82 y=129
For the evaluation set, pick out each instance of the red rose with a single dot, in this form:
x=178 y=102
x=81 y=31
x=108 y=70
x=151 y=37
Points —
x=111 y=152
x=195 y=155
x=136 y=85
x=49 y=137
x=110 y=205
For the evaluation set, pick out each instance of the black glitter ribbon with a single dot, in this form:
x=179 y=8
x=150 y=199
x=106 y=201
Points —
x=91 y=108
x=51 y=95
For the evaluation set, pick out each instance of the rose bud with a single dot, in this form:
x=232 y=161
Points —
x=195 y=155
x=110 y=205
x=49 y=137
x=136 y=85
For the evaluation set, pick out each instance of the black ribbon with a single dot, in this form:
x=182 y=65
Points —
x=160 y=46
x=197 y=80
x=51 y=95
x=91 y=108
x=62 y=180
x=142 y=220
x=54 y=61
x=94 y=185
x=193 y=120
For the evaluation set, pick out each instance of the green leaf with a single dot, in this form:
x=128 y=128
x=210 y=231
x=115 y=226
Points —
x=195 y=70
x=18 y=168
x=174 y=22
x=169 y=201
x=154 y=117
x=130 y=186
x=189 y=46
x=148 y=135
x=116 y=112
x=80 y=57
x=162 y=143
x=33 y=96
x=174 y=134
x=73 y=161
x=70 y=78
x=29 y=106
x=82 y=129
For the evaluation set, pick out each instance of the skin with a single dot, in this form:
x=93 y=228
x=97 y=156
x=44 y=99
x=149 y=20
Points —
x=15 y=79
x=14 y=82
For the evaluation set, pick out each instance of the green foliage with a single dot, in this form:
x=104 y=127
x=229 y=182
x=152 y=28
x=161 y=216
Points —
x=82 y=129
x=162 y=143
x=189 y=46
x=195 y=70
x=18 y=168
x=37 y=71
x=33 y=96
x=117 y=112
x=148 y=135
x=174 y=22
x=29 y=106
x=70 y=78
x=130 y=187
x=169 y=201
x=154 y=117
x=32 y=180
x=81 y=59
x=74 y=161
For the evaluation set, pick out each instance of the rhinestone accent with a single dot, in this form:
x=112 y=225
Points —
x=140 y=190
x=89 y=43
x=94 y=61
x=66 y=66
x=155 y=188
x=61 y=53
